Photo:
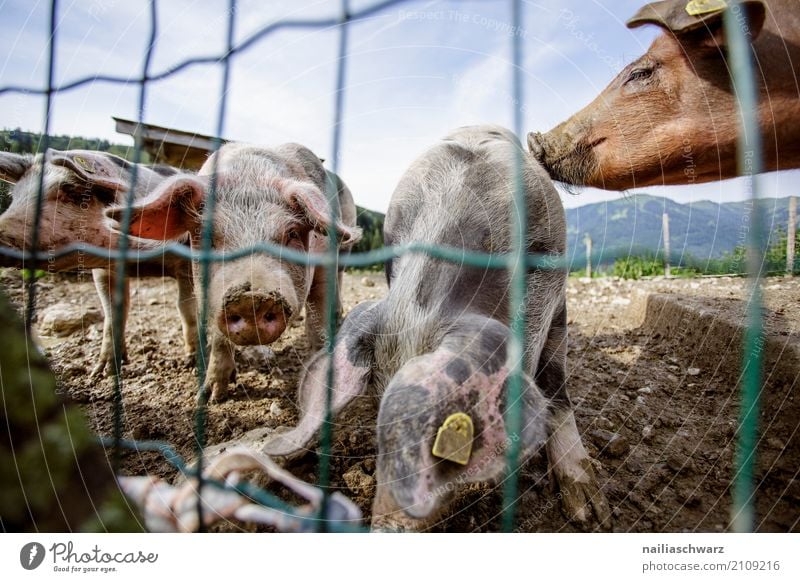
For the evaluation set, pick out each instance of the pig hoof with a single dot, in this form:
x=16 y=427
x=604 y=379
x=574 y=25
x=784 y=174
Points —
x=189 y=360
x=105 y=367
x=581 y=499
x=216 y=394
x=98 y=371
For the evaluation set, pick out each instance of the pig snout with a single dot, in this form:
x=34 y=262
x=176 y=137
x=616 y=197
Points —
x=566 y=152
x=552 y=150
x=251 y=317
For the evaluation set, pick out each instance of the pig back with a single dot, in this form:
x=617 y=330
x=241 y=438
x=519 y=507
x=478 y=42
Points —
x=460 y=194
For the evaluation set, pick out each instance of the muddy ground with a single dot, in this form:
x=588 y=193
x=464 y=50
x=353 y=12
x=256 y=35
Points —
x=673 y=408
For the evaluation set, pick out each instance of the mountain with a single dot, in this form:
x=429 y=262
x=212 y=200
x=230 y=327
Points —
x=632 y=225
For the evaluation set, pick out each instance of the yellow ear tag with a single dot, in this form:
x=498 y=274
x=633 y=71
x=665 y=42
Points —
x=698 y=7
x=454 y=439
x=84 y=164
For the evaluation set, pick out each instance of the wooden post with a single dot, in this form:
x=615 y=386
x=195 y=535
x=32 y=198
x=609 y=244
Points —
x=588 y=241
x=790 y=235
x=665 y=228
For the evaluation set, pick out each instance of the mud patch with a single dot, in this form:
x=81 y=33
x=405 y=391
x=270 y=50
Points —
x=670 y=401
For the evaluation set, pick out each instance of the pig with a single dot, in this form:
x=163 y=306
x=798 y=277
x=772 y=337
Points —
x=671 y=117
x=78 y=187
x=275 y=195
x=436 y=344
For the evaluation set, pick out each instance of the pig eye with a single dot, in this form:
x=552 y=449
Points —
x=640 y=74
x=293 y=236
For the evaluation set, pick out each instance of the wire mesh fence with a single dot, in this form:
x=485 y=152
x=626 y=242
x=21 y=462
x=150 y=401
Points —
x=518 y=262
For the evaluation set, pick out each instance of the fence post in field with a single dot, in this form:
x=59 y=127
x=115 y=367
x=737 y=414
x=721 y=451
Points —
x=790 y=235
x=588 y=241
x=665 y=229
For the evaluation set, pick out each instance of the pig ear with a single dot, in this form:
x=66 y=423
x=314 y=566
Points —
x=467 y=374
x=353 y=359
x=99 y=169
x=683 y=17
x=13 y=166
x=307 y=198
x=168 y=213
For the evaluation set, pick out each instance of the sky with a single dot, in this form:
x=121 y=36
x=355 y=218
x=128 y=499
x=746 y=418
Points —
x=414 y=72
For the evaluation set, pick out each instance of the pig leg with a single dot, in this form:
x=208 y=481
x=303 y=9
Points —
x=221 y=367
x=580 y=493
x=187 y=307
x=353 y=361
x=105 y=281
x=569 y=462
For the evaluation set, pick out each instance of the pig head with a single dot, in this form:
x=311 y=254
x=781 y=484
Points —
x=465 y=372
x=77 y=188
x=261 y=195
x=671 y=116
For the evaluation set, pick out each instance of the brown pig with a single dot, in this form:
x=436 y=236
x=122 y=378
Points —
x=275 y=195
x=671 y=116
x=78 y=187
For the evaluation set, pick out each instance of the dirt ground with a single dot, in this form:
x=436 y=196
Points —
x=658 y=417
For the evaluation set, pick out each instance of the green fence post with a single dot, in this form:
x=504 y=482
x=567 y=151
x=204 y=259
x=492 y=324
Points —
x=331 y=268
x=518 y=278
x=749 y=159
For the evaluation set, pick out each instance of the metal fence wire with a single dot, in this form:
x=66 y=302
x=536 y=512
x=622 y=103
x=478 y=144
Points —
x=517 y=261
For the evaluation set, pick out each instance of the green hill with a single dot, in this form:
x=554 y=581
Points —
x=371 y=223
x=27 y=142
